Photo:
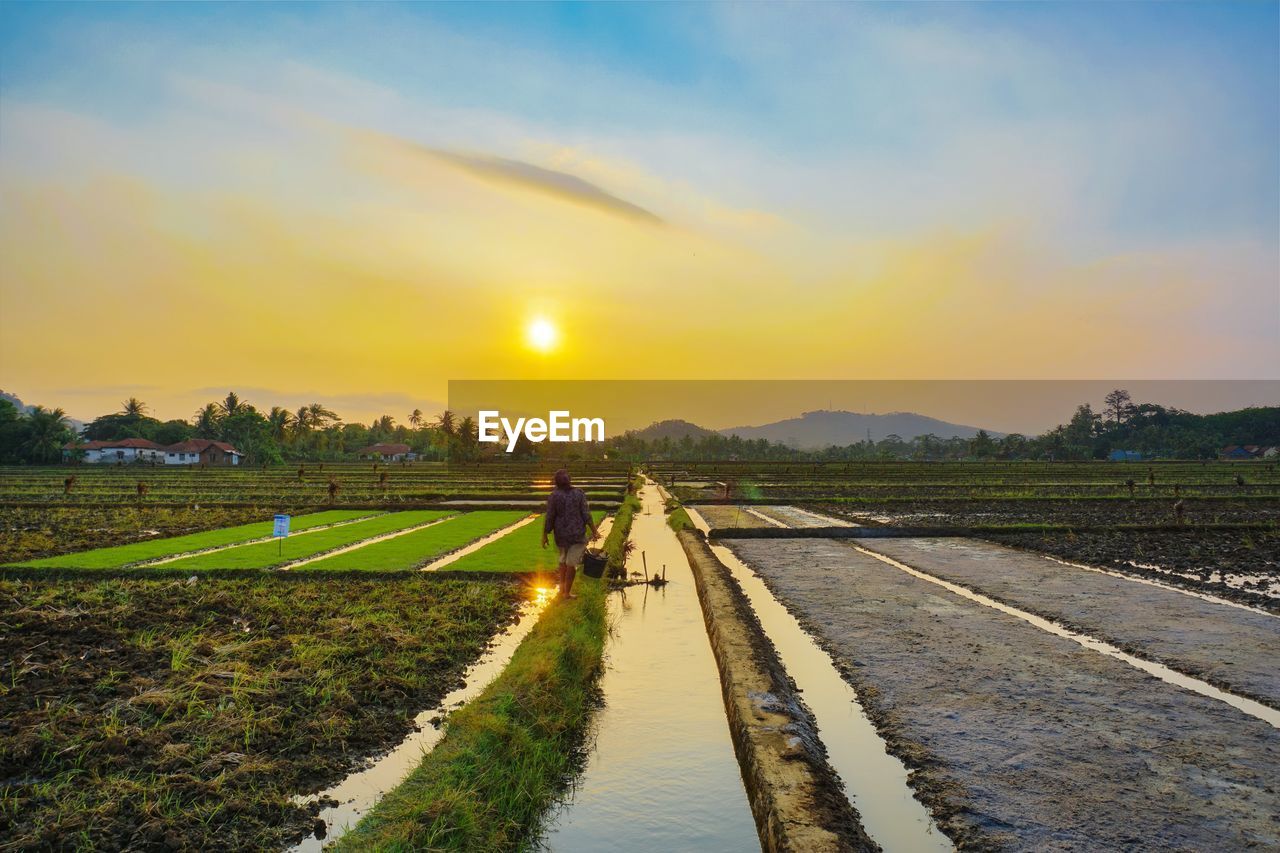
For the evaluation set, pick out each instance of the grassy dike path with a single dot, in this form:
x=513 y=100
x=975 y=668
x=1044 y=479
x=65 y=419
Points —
x=506 y=755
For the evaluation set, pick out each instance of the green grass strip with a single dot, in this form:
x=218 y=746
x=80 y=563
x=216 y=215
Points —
x=422 y=546
x=506 y=755
x=153 y=549
x=264 y=555
x=521 y=551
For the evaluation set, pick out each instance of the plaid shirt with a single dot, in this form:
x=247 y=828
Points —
x=568 y=516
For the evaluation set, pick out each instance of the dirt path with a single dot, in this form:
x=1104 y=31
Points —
x=1230 y=647
x=1025 y=739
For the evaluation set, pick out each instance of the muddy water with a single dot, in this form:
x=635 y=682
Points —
x=874 y=781
x=662 y=774
x=360 y=791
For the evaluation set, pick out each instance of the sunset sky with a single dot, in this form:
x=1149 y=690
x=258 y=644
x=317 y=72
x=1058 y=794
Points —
x=356 y=204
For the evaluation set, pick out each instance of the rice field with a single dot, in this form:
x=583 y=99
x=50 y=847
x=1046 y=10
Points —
x=413 y=550
x=519 y=552
x=125 y=555
x=203 y=700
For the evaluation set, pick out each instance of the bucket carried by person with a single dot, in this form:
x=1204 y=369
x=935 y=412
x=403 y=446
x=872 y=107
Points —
x=593 y=562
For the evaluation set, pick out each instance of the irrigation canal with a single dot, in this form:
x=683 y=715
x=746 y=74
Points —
x=661 y=774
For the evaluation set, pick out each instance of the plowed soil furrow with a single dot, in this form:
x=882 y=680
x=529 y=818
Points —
x=1023 y=739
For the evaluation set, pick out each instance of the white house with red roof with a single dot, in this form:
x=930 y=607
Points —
x=123 y=450
x=197 y=451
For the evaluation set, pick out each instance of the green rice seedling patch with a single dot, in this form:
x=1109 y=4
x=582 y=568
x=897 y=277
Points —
x=420 y=547
x=519 y=552
x=123 y=555
x=264 y=555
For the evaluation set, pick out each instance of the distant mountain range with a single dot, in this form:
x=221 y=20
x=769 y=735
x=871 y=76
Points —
x=672 y=429
x=815 y=430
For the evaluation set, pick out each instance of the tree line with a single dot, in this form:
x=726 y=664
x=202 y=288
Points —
x=316 y=433
x=1148 y=429
x=313 y=432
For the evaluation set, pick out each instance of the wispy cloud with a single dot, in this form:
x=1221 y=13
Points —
x=561 y=185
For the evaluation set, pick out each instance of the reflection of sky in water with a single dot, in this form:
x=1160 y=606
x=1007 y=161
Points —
x=662 y=775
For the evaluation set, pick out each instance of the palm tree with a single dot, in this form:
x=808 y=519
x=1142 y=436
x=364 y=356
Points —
x=302 y=421
x=206 y=420
x=385 y=424
x=280 y=420
x=47 y=432
x=320 y=416
x=232 y=405
x=133 y=407
x=447 y=423
x=415 y=418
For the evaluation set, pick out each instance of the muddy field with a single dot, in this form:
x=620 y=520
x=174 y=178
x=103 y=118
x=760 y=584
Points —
x=145 y=714
x=1239 y=565
x=1021 y=738
x=1231 y=647
x=1242 y=566
x=1085 y=513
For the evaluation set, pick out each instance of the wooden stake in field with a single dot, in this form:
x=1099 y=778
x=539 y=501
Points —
x=645 y=562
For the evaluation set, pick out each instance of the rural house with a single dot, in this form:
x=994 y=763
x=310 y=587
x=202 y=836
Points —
x=116 y=450
x=129 y=450
x=1248 y=451
x=196 y=451
x=387 y=452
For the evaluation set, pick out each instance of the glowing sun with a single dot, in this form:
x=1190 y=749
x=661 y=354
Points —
x=542 y=334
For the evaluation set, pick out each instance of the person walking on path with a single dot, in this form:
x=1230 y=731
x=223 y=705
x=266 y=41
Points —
x=568 y=516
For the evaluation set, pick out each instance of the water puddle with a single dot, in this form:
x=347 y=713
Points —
x=1149 y=582
x=360 y=791
x=662 y=773
x=760 y=515
x=373 y=540
x=454 y=556
x=1270 y=716
x=811 y=519
x=874 y=781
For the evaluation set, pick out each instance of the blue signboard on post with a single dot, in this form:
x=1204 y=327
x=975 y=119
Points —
x=280 y=530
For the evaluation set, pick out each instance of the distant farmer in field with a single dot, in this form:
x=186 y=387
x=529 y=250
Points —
x=569 y=517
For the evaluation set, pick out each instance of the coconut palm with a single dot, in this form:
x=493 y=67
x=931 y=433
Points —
x=302 y=421
x=133 y=407
x=232 y=405
x=206 y=420
x=385 y=424
x=47 y=432
x=415 y=418
x=447 y=423
x=280 y=419
x=320 y=416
